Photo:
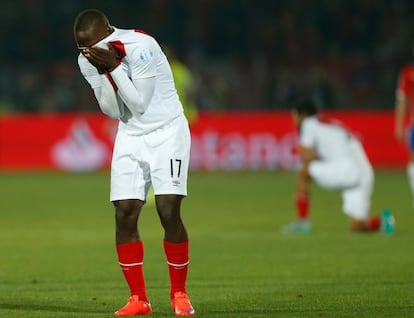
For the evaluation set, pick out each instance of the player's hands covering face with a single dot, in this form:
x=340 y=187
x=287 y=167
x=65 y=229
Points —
x=101 y=58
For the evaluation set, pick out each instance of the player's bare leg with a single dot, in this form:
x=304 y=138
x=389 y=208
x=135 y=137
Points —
x=169 y=211
x=130 y=251
x=176 y=251
x=302 y=202
x=126 y=220
x=410 y=174
x=303 y=180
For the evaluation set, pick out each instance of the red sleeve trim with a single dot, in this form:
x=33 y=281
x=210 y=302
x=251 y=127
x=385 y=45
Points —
x=140 y=31
x=111 y=80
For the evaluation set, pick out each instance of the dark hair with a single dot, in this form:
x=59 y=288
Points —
x=90 y=19
x=306 y=107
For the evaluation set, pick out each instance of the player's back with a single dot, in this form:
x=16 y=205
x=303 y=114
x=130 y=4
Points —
x=330 y=140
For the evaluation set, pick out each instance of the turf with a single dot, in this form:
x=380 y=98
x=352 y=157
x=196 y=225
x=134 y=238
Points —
x=58 y=257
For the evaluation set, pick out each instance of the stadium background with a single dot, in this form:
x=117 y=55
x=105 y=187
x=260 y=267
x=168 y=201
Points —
x=250 y=59
x=245 y=56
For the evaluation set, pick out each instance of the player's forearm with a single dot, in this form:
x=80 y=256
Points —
x=108 y=100
x=136 y=100
x=307 y=155
x=400 y=110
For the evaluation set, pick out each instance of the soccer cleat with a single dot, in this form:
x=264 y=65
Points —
x=181 y=305
x=135 y=306
x=387 y=222
x=299 y=226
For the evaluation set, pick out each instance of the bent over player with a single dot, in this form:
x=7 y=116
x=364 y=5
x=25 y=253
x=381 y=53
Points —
x=132 y=81
x=334 y=159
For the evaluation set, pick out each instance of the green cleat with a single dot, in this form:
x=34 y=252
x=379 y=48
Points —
x=387 y=222
x=299 y=226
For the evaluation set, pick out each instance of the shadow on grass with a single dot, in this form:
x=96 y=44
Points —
x=102 y=310
x=52 y=308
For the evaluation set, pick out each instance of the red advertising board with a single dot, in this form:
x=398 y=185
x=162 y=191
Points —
x=220 y=140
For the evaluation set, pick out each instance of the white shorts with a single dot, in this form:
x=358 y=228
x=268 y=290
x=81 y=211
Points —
x=160 y=158
x=354 y=176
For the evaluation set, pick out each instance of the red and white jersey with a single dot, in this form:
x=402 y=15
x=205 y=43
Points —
x=328 y=138
x=405 y=87
x=342 y=163
x=141 y=57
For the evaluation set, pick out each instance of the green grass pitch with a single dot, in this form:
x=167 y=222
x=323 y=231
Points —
x=57 y=255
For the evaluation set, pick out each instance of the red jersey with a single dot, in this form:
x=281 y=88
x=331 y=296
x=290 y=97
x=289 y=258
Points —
x=405 y=88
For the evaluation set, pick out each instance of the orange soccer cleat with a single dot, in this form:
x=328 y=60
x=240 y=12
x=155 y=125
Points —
x=135 y=306
x=181 y=305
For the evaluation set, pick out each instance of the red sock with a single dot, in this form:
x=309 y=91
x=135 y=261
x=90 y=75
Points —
x=302 y=206
x=177 y=259
x=131 y=256
x=374 y=223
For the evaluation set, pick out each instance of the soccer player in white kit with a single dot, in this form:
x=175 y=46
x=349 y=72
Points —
x=132 y=81
x=334 y=159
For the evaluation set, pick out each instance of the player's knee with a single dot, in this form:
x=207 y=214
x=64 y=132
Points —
x=168 y=208
x=169 y=215
x=127 y=208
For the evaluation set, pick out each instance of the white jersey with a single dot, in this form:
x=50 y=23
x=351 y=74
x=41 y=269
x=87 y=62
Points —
x=142 y=58
x=331 y=141
x=342 y=164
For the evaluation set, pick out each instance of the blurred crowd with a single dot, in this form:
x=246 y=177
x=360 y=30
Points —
x=243 y=54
